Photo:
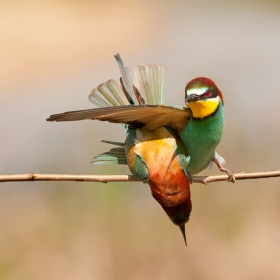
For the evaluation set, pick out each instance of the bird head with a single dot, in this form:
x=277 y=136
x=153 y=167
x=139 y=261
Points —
x=180 y=215
x=203 y=97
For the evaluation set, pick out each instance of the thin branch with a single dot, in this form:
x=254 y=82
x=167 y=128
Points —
x=67 y=177
x=128 y=178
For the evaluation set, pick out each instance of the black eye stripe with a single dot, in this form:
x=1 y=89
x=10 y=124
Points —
x=210 y=93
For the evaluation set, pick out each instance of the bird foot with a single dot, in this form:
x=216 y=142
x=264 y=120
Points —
x=231 y=177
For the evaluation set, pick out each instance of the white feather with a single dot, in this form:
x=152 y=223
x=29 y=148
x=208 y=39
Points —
x=198 y=91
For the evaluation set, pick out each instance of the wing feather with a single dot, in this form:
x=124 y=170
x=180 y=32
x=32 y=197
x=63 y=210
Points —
x=108 y=94
x=149 y=117
x=114 y=156
x=127 y=79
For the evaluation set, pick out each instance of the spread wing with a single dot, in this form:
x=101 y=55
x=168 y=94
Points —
x=149 y=117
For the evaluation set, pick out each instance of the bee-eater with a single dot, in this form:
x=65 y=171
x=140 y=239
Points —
x=165 y=145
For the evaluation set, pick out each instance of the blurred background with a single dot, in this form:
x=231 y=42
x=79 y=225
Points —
x=53 y=53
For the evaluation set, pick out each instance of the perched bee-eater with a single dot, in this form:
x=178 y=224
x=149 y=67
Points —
x=165 y=145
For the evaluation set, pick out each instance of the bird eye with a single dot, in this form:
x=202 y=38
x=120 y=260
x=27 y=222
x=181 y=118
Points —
x=207 y=93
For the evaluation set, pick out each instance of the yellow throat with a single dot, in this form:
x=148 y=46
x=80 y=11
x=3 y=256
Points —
x=203 y=108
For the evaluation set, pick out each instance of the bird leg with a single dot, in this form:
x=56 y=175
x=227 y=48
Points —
x=189 y=175
x=230 y=174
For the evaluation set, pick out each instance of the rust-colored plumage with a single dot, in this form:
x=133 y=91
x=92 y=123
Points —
x=165 y=145
x=158 y=158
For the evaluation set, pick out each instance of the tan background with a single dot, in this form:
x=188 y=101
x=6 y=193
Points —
x=52 y=53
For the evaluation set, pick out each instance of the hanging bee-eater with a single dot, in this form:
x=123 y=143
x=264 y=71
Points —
x=165 y=145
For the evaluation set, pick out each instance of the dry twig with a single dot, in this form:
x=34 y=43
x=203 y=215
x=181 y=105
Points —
x=128 y=178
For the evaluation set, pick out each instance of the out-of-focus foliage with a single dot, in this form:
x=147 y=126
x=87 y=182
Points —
x=52 y=54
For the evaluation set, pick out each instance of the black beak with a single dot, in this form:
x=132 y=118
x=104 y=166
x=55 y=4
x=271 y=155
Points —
x=192 y=97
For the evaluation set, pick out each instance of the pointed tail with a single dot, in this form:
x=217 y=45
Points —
x=183 y=231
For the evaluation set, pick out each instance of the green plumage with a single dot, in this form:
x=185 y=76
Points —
x=201 y=137
x=165 y=145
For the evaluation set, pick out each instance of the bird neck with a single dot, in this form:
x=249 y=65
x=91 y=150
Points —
x=200 y=138
x=204 y=108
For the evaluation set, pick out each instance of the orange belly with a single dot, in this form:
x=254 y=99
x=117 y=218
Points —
x=158 y=149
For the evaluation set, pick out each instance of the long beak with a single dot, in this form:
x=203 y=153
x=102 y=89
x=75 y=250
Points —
x=192 y=97
x=182 y=228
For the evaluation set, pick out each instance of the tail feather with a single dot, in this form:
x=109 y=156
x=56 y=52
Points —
x=146 y=82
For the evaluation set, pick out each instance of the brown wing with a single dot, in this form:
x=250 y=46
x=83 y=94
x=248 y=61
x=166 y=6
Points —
x=148 y=117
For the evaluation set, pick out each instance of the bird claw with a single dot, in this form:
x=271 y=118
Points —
x=231 y=177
